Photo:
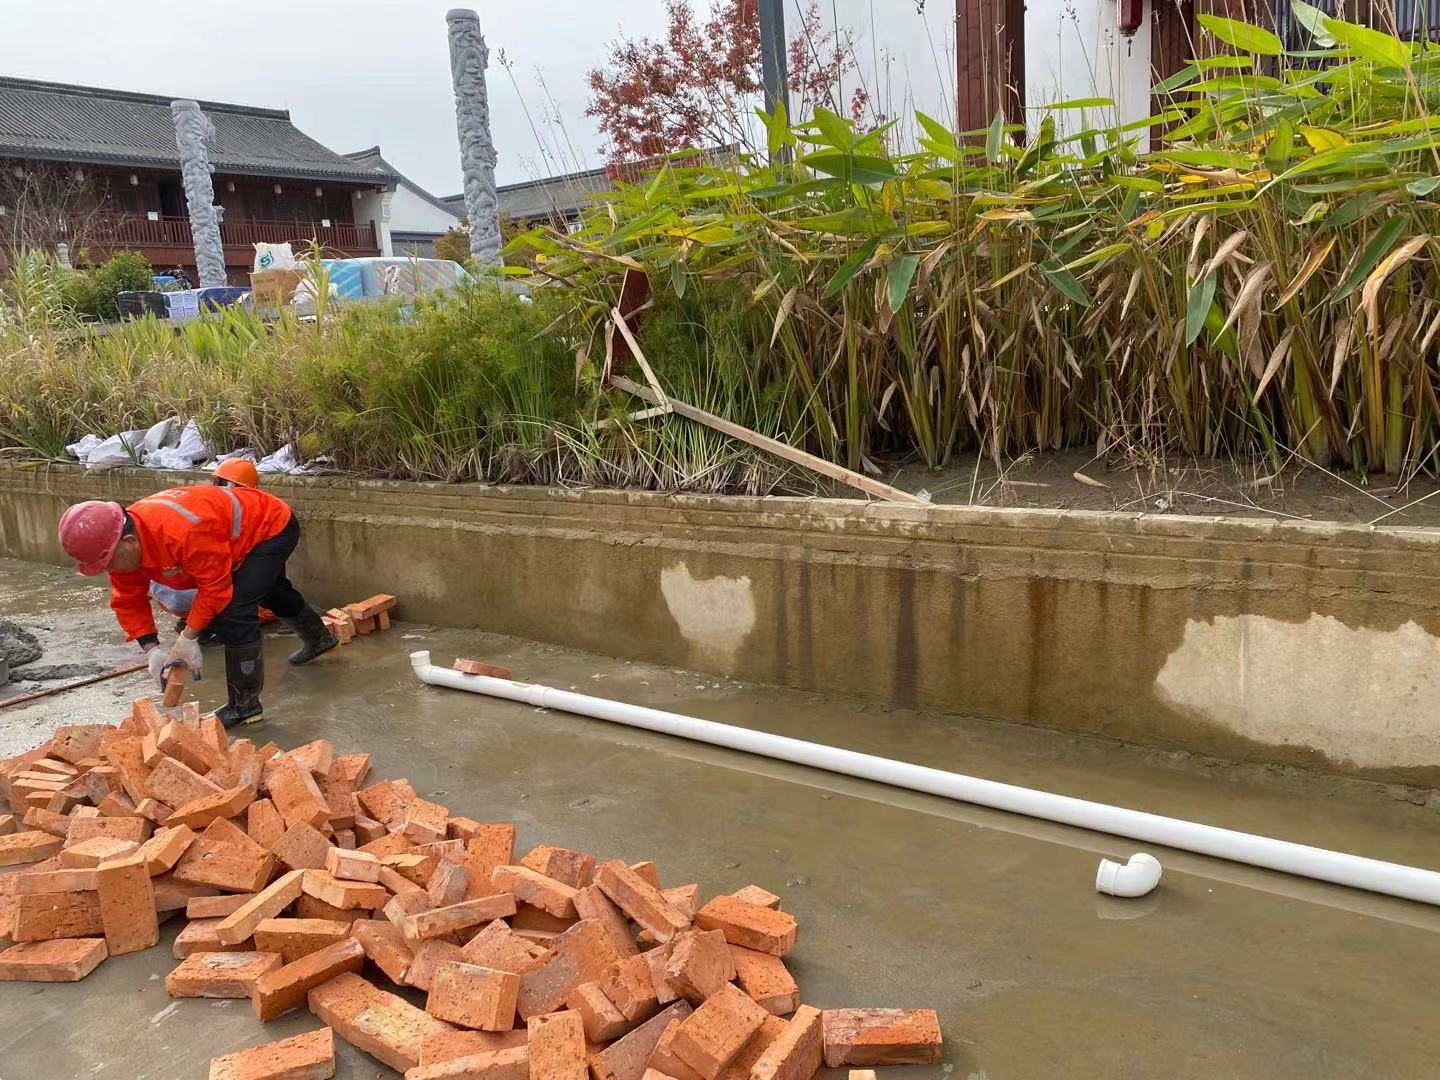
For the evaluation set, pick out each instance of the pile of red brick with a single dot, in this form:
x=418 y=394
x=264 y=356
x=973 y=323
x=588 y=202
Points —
x=363 y=618
x=304 y=885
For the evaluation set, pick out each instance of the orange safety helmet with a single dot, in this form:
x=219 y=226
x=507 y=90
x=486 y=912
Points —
x=90 y=532
x=237 y=470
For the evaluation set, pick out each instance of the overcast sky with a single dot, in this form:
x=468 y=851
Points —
x=354 y=73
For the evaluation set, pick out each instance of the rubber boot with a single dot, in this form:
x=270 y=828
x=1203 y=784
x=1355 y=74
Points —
x=244 y=679
x=315 y=637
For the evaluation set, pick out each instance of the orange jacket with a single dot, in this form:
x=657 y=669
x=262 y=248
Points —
x=192 y=538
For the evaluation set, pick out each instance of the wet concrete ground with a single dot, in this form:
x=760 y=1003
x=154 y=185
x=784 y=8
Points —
x=902 y=899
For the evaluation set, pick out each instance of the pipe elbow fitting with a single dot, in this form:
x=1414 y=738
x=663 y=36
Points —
x=1134 y=878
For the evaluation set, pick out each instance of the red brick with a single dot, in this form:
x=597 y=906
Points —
x=92 y=853
x=448 y=884
x=301 y=847
x=511 y=1064
x=350 y=769
x=640 y=900
x=581 y=955
x=198 y=813
x=387 y=845
x=296 y=796
x=758 y=928
x=383 y=1025
x=603 y=1021
x=387 y=801
x=478 y=667
x=664 y=1060
x=557 y=1047
x=190 y=749
x=868 y=1037
x=345 y=838
x=153 y=811
x=627 y=984
x=352 y=865
x=314 y=757
x=220 y=974
x=449 y=1045
x=323 y=885
x=498 y=947
x=717 y=1031
x=798 y=1052
x=766 y=979
x=307 y=907
x=172 y=895
x=77 y=742
x=442 y=850
x=754 y=894
x=116 y=804
x=487 y=846
x=44 y=820
x=683 y=898
x=127 y=905
x=425 y=822
x=28 y=882
x=57 y=915
x=535 y=889
x=224 y=866
x=310 y=1056
x=699 y=965
x=647 y=872
x=121 y=828
x=175 y=785
x=263 y=823
x=268 y=903
x=163 y=851
x=474 y=997
x=340 y=800
x=428 y=959
x=285 y=988
x=625 y=1059
x=217 y=907
x=591 y=903
x=385 y=946
x=437 y=922
x=198 y=936
x=124 y=753
x=418 y=869
x=294 y=938
x=224 y=831
x=770 y=1030
x=69 y=960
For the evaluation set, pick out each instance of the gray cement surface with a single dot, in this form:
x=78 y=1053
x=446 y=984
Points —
x=902 y=899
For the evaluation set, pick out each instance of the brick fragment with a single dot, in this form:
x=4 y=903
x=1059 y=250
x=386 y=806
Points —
x=193 y=751
x=511 y=1064
x=683 y=898
x=350 y=769
x=348 y=895
x=219 y=974
x=7 y=824
x=224 y=831
x=45 y=820
x=628 y=985
x=124 y=753
x=345 y=838
x=625 y=1059
x=573 y=868
x=881 y=1037
x=294 y=938
x=479 y=667
x=448 y=884
x=498 y=947
x=217 y=907
x=766 y=979
x=714 y=1035
x=474 y=997
x=385 y=946
x=352 y=865
x=647 y=871
x=754 y=894
x=163 y=851
x=387 y=801
x=658 y=960
x=770 y=1030
x=436 y=922
x=557 y=1047
x=127 y=905
x=121 y=828
x=384 y=846
x=263 y=823
x=798 y=1052
x=458 y=1043
x=198 y=813
x=664 y=1060
x=268 y=903
x=175 y=784
x=68 y=960
x=285 y=988
x=153 y=811
x=92 y=853
x=591 y=903
x=199 y=936
x=425 y=822
x=116 y=804
x=314 y=757
x=224 y=866
x=581 y=955
x=602 y=1020
x=77 y=742
x=539 y=891
x=487 y=846
x=699 y=965
x=381 y=1024
x=429 y=957
x=640 y=900
x=759 y=928
x=172 y=895
x=43 y=916
x=310 y=1056
x=295 y=794
x=301 y=847
x=307 y=907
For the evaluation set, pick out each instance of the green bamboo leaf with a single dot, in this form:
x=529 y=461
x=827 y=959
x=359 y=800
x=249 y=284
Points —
x=1373 y=45
x=994 y=137
x=1379 y=245
x=1280 y=147
x=852 y=168
x=851 y=266
x=899 y=277
x=937 y=131
x=1065 y=281
x=857 y=219
x=1081 y=103
x=1101 y=255
x=1313 y=20
x=1242 y=35
x=1424 y=186
x=834 y=129
x=1202 y=293
x=677 y=278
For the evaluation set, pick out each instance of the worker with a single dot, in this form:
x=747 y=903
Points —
x=230 y=543
x=236 y=471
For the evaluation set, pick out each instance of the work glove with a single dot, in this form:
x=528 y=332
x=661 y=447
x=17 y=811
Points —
x=155 y=657
x=186 y=651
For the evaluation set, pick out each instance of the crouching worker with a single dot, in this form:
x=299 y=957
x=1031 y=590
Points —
x=230 y=544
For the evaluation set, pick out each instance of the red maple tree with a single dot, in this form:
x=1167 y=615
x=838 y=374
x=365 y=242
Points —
x=697 y=87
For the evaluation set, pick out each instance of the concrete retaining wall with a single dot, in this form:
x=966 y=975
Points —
x=1259 y=640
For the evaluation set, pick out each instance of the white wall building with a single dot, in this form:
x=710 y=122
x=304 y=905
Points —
x=409 y=219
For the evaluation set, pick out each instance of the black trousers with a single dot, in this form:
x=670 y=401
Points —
x=260 y=581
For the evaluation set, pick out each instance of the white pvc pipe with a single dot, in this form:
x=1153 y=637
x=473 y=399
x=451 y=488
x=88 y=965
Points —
x=1393 y=879
x=1134 y=878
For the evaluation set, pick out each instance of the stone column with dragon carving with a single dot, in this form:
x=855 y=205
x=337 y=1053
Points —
x=193 y=132
x=469 y=56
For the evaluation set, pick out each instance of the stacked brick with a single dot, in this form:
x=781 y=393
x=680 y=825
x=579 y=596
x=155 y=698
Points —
x=363 y=618
x=304 y=884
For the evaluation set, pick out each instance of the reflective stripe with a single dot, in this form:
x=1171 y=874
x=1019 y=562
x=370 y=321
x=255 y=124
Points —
x=234 y=514
x=186 y=514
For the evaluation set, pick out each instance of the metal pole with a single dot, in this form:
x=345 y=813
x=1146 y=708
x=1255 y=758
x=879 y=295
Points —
x=773 y=60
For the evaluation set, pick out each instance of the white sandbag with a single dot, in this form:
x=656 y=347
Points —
x=126 y=448
x=79 y=450
x=283 y=460
x=274 y=257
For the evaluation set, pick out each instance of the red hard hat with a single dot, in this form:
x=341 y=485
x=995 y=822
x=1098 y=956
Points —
x=90 y=532
x=238 y=471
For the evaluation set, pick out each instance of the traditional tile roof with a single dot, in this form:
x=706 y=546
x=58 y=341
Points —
x=90 y=125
